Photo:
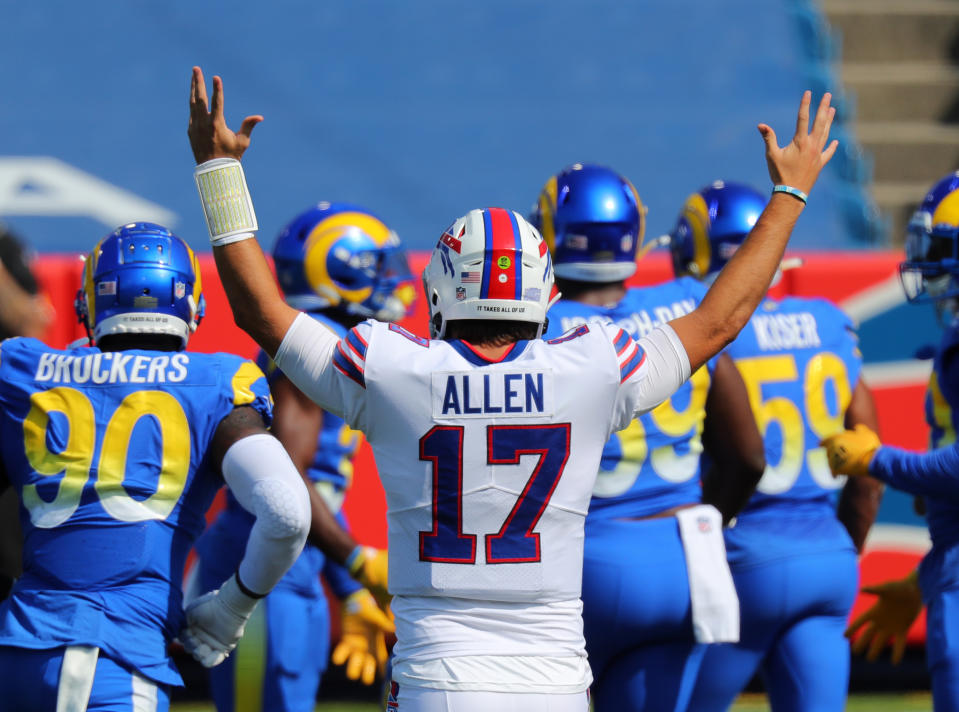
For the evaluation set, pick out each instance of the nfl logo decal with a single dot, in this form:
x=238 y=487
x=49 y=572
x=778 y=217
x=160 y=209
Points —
x=704 y=526
x=460 y=294
x=179 y=290
x=391 y=701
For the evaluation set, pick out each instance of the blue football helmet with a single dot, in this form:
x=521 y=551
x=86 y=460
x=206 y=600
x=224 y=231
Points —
x=140 y=279
x=712 y=225
x=593 y=222
x=342 y=257
x=931 y=269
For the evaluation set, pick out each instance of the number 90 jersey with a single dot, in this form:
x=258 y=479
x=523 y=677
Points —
x=800 y=362
x=654 y=463
x=108 y=454
x=487 y=466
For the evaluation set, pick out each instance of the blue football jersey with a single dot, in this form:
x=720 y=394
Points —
x=654 y=464
x=800 y=362
x=108 y=454
x=942 y=409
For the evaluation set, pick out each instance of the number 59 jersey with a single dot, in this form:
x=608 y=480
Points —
x=488 y=467
x=800 y=362
x=108 y=454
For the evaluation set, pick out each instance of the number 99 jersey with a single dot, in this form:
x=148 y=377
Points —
x=654 y=464
x=108 y=454
x=800 y=362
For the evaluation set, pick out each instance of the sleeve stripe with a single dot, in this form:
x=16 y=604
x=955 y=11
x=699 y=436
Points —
x=621 y=341
x=356 y=342
x=345 y=366
x=632 y=366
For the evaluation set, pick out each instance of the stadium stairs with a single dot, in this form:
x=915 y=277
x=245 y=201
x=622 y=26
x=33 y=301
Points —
x=900 y=64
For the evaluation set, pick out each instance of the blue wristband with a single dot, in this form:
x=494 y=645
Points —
x=354 y=556
x=794 y=192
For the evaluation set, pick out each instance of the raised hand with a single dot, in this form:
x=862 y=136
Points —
x=798 y=163
x=210 y=137
x=888 y=620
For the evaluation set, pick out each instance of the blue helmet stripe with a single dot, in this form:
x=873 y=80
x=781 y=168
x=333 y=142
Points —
x=518 y=260
x=487 y=255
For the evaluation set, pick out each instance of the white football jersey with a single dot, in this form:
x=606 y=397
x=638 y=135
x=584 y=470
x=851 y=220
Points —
x=488 y=467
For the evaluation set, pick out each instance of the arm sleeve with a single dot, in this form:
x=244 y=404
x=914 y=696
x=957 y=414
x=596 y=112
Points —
x=265 y=482
x=931 y=474
x=329 y=370
x=663 y=367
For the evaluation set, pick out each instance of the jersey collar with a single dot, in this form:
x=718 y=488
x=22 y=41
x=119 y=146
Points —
x=467 y=351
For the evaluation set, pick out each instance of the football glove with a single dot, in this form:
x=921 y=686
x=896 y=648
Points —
x=888 y=619
x=362 y=645
x=369 y=566
x=851 y=451
x=215 y=622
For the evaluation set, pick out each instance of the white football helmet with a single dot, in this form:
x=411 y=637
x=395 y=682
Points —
x=489 y=264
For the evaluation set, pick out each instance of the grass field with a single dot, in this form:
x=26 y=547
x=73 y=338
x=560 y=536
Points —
x=912 y=702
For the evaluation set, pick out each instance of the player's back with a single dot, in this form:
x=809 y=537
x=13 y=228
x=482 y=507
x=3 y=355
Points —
x=800 y=362
x=108 y=452
x=504 y=458
x=488 y=468
x=654 y=464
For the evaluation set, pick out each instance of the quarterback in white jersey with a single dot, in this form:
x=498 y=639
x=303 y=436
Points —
x=487 y=439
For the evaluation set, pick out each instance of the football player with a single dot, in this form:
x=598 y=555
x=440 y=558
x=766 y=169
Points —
x=340 y=264
x=639 y=621
x=116 y=452
x=487 y=438
x=929 y=273
x=793 y=560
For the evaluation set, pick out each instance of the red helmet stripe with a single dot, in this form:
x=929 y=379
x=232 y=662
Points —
x=502 y=268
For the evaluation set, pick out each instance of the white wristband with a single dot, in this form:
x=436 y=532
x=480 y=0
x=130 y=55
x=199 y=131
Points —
x=226 y=200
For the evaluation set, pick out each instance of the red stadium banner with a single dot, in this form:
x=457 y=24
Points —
x=863 y=283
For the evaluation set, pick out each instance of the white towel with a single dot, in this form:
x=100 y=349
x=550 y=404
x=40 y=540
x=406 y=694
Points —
x=711 y=590
x=76 y=677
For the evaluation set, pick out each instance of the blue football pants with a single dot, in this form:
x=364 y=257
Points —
x=793 y=613
x=30 y=682
x=637 y=616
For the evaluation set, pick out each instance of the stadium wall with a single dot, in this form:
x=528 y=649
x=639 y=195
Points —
x=865 y=284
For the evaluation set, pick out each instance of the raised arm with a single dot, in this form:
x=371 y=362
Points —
x=257 y=306
x=744 y=280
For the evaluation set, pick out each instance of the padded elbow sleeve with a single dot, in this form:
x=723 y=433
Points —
x=266 y=483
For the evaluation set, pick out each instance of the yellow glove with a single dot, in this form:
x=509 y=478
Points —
x=369 y=566
x=851 y=451
x=888 y=619
x=362 y=644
